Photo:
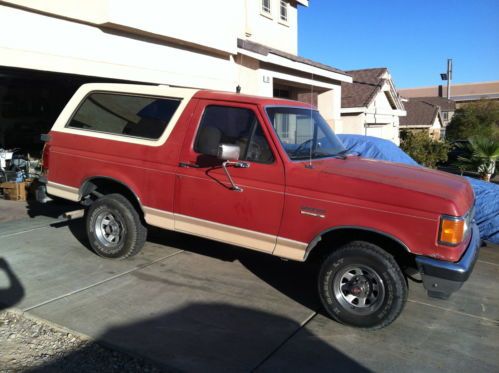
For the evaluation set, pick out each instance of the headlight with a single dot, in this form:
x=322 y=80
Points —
x=453 y=230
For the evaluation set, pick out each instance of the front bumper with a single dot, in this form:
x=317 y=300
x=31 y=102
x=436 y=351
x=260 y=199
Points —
x=441 y=278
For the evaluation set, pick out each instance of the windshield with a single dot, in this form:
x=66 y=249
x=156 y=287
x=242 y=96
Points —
x=304 y=134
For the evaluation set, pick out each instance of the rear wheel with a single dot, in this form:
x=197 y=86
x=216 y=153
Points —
x=114 y=228
x=361 y=285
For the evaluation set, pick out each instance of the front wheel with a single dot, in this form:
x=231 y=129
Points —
x=114 y=228
x=361 y=285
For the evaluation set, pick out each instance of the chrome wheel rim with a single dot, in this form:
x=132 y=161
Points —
x=359 y=289
x=109 y=229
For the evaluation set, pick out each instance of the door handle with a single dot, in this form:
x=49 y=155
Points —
x=188 y=165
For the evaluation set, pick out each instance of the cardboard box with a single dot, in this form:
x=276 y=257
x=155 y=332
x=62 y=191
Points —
x=15 y=191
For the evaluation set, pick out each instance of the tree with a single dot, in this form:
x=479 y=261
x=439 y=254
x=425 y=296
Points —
x=479 y=118
x=483 y=155
x=424 y=149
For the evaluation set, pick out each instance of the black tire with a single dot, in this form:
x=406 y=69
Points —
x=362 y=285
x=114 y=227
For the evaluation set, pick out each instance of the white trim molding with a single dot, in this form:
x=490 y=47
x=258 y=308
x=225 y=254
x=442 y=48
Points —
x=182 y=94
x=281 y=61
x=296 y=79
x=63 y=191
x=365 y=110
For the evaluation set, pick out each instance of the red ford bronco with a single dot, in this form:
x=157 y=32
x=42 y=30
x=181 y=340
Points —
x=265 y=174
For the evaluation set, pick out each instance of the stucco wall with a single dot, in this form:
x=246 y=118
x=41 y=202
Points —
x=211 y=24
x=379 y=120
x=353 y=124
x=270 y=30
x=329 y=105
x=69 y=47
x=380 y=103
x=435 y=129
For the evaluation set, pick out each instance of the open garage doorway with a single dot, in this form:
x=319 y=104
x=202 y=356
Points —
x=30 y=102
x=297 y=91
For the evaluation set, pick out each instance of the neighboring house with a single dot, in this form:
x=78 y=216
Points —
x=447 y=107
x=460 y=93
x=422 y=116
x=233 y=45
x=371 y=105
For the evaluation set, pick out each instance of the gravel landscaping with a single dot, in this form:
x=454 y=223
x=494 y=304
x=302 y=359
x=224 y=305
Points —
x=29 y=345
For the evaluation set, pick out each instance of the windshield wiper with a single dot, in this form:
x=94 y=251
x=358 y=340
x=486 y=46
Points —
x=317 y=154
x=343 y=154
x=299 y=157
x=314 y=155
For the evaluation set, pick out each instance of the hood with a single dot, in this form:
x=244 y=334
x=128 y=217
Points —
x=389 y=183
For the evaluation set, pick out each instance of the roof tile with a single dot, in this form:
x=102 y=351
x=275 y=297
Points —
x=366 y=84
x=419 y=113
x=444 y=103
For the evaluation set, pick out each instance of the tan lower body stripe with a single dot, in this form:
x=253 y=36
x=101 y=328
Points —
x=225 y=233
x=159 y=218
x=63 y=191
x=278 y=246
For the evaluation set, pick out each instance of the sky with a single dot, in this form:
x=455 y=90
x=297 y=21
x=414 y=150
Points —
x=413 y=38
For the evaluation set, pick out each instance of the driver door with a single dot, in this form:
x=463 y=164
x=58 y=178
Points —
x=205 y=202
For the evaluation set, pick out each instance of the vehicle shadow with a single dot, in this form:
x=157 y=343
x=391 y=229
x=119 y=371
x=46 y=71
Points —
x=14 y=293
x=297 y=281
x=52 y=209
x=209 y=337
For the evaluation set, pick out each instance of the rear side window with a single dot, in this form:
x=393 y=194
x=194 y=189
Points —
x=119 y=114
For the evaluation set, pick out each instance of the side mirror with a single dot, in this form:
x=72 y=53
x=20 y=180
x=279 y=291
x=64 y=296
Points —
x=228 y=152
x=230 y=155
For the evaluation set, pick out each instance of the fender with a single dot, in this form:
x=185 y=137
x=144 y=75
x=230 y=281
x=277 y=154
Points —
x=88 y=187
x=318 y=238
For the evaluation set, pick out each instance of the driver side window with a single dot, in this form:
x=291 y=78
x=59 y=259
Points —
x=235 y=126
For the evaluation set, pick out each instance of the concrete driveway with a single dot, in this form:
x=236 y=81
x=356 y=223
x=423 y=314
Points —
x=196 y=305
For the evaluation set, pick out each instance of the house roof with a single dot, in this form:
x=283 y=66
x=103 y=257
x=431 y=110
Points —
x=419 y=113
x=459 y=92
x=443 y=103
x=365 y=86
x=265 y=50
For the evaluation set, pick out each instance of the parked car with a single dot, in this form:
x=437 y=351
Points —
x=265 y=174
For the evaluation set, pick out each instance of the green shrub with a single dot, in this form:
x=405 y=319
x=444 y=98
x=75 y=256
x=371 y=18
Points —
x=483 y=153
x=479 y=118
x=423 y=149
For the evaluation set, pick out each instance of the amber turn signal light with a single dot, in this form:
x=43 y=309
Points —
x=452 y=231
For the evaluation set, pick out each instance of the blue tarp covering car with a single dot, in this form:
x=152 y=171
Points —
x=486 y=194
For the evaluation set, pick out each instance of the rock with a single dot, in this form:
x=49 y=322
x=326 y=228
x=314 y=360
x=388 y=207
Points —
x=26 y=344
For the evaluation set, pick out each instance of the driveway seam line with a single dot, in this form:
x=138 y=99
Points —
x=26 y=231
x=453 y=311
x=490 y=263
x=280 y=345
x=100 y=282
